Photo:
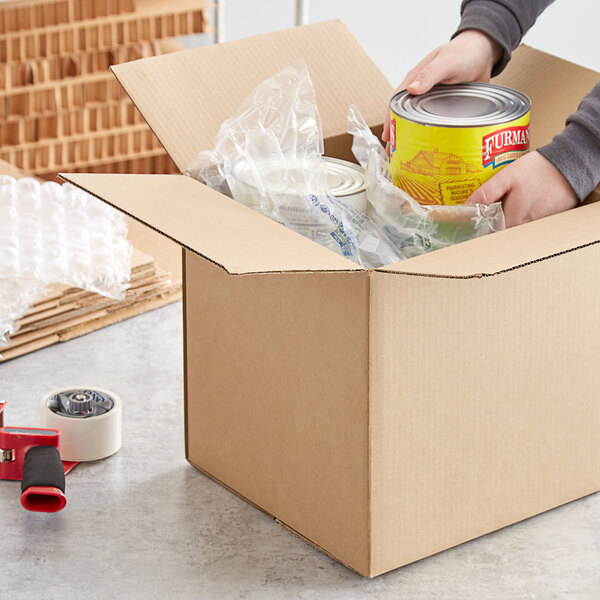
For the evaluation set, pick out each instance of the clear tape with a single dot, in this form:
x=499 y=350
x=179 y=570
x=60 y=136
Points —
x=51 y=233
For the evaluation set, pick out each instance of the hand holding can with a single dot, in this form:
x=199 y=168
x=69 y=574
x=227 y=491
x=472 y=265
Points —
x=470 y=56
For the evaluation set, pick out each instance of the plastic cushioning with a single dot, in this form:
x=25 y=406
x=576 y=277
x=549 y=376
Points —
x=51 y=233
x=269 y=156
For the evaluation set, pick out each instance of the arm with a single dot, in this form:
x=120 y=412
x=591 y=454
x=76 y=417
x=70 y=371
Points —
x=565 y=170
x=557 y=176
x=481 y=47
x=505 y=21
x=576 y=151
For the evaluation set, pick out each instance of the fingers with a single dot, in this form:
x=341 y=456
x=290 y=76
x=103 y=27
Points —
x=412 y=74
x=440 y=69
x=492 y=190
x=385 y=136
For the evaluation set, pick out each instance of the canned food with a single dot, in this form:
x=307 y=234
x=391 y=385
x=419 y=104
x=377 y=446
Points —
x=296 y=200
x=345 y=181
x=446 y=143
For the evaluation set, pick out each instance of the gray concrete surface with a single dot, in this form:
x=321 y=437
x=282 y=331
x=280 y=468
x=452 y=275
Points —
x=145 y=524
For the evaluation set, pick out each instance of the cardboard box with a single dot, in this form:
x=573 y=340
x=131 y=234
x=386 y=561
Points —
x=385 y=415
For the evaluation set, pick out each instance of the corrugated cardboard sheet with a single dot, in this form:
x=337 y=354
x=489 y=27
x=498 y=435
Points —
x=206 y=85
x=484 y=402
x=230 y=234
x=65 y=313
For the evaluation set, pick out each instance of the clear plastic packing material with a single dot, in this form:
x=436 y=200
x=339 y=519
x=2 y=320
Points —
x=269 y=156
x=51 y=233
x=415 y=228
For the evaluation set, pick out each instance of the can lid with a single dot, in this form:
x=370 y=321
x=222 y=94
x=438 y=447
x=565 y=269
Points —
x=462 y=105
x=343 y=178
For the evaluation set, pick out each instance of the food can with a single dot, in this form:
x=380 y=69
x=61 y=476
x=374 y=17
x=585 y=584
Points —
x=446 y=143
x=286 y=190
x=345 y=180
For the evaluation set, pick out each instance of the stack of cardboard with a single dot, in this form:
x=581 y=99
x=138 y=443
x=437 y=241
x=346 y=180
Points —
x=66 y=313
x=60 y=107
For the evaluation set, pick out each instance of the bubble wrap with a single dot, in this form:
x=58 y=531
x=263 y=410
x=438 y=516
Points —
x=53 y=233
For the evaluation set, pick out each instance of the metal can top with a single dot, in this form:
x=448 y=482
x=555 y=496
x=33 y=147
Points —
x=343 y=178
x=462 y=105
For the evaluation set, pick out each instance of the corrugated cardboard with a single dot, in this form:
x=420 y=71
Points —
x=384 y=415
x=218 y=78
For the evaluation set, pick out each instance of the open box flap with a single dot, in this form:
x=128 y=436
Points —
x=555 y=86
x=511 y=248
x=185 y=96
x=226 y=232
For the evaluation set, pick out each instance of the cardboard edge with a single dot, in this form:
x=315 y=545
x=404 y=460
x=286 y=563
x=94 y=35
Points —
x=319 y=548
x=185 y=357
x=274 y=518
x=65 y=177
x=493 y=274
x=116 y=76
x=369 y=427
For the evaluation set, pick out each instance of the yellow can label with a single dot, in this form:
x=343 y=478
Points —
x=445 y=165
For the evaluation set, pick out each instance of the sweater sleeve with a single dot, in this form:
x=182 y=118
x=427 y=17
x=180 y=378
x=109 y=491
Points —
x=506 y=21
x=576 y=151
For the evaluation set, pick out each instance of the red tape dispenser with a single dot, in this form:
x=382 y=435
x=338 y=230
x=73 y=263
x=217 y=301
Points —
x=32 y=457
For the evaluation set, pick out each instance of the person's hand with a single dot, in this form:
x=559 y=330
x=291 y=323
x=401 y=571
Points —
x=531 y=188
x=470 y=56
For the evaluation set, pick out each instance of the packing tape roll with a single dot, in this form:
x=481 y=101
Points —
x=89 y=421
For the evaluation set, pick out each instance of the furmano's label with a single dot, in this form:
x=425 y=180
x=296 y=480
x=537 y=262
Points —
x=445 y=165
x=504 y=146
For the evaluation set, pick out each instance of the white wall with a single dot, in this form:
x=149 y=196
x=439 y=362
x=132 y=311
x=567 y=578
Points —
x=398 y=33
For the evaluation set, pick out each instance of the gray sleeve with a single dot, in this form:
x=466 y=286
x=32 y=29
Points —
x=576 y=151
x=506 y=21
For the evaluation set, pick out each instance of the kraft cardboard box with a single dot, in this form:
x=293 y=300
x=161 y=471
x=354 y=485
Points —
x=383 y=415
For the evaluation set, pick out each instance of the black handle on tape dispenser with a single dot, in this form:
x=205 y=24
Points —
x=43 y=483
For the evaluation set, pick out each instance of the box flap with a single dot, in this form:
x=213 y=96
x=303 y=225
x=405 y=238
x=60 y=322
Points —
x=220 y=229
x=555 y=86
x=186 y=96
x=511 y=248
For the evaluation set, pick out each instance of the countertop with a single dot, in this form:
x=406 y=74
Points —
x=145 y=524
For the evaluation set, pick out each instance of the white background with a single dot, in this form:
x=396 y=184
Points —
x=398 y=33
